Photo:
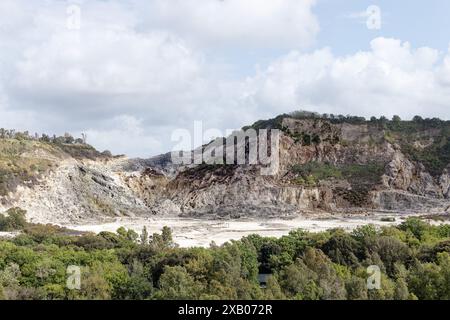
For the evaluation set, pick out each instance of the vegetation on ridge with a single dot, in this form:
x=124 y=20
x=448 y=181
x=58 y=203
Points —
x=25 y=158
x=362 y=178
x=432 y=134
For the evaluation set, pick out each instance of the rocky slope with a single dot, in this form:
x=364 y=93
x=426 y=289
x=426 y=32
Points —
x=330 y=165
x=63 y=183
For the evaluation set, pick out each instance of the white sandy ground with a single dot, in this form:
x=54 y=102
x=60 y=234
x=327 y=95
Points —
x=200 y=233
x=9 y=234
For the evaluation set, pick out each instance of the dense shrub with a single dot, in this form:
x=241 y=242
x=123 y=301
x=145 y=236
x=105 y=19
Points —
x=414 y=260
x=13 y=220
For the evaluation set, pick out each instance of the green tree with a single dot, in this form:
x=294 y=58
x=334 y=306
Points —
x=299 y=282
x=144 y=236
x=401 y=290
x=356 y=288
x=273 y=289
x=396 y=119
x=176 y=284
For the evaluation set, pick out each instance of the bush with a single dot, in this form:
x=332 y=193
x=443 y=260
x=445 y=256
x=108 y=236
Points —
x=14 y=220
x=301 y=265
x=313 y=172
x=343 y=249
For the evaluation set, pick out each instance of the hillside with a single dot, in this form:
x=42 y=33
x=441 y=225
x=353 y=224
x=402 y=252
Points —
x=333 y=164
x=58 y=181
x=327 y=164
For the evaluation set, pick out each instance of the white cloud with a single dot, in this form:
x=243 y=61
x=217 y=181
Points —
x=131 y=75
x=114 y=66
x=246 y=23
x=107 y=62
x=13 y=119
x=390 y=79
x=126 y=134
x=76 y=80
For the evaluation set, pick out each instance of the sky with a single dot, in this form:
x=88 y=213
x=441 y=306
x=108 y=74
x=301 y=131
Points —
x=129 y=73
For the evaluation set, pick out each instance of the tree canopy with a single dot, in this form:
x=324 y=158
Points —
x=414 y=260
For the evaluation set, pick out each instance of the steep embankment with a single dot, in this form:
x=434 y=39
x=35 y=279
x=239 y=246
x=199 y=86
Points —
x=62 y=183
x=330 y=165
x=333 y=165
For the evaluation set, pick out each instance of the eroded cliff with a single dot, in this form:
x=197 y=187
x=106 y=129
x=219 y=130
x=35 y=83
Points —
x=325 y=165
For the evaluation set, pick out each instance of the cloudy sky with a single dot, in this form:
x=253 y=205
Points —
x=130 y=72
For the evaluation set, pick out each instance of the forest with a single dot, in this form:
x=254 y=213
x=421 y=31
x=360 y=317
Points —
x=414 y=260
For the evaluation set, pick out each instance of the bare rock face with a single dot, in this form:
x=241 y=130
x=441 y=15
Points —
x=401 y=201
x=402 y=184
x=225 y=191
x=324 y=166
x=444 y=183
x=402 y=174
x=76 y=192
x=399 y=173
